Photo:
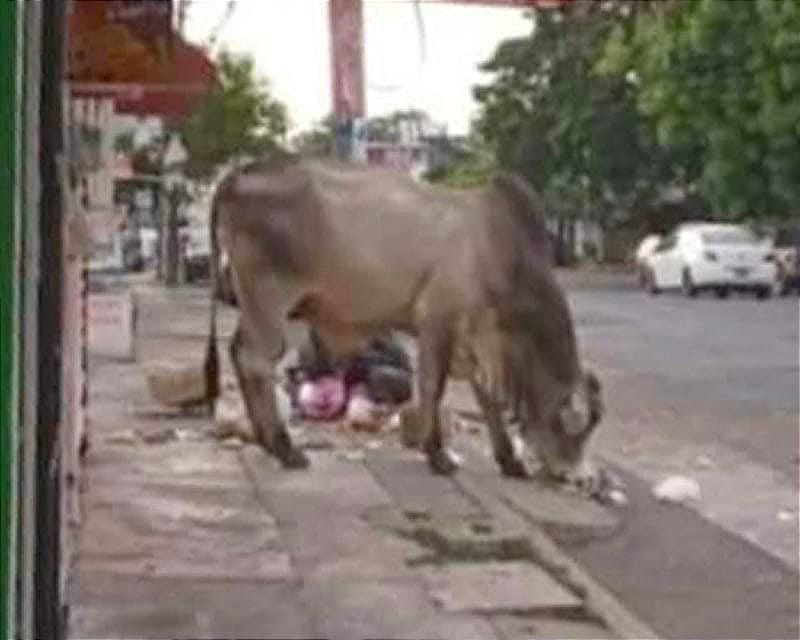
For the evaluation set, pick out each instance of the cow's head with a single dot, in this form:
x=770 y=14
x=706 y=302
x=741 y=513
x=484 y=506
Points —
x=560 y=430
x=559 y=404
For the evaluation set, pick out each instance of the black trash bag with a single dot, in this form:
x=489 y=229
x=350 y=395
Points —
x=384 y=369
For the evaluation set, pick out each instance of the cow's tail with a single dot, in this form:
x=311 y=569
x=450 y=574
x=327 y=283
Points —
x=211 y=367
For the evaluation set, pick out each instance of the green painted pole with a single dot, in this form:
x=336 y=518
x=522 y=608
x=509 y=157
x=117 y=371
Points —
x=10 y=198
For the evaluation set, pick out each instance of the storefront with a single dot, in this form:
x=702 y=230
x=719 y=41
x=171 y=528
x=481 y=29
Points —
x=43 y=332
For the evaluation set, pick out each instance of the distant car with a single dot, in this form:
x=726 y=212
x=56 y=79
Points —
x=195 y=252
x=642 y=253
x=149 y=243
x=786 y=247
x=195 y=261
x=707 y=256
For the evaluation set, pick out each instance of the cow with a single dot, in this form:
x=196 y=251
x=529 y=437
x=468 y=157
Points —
x=356 y=251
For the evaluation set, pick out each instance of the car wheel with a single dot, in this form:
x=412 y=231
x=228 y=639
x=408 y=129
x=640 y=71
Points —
x=641 y=277
x=182 y=275
x=781 y=286
x=723 y=292
x=687 y=284
x=650 y=278
x=762 y=293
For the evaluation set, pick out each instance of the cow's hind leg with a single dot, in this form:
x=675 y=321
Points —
x=435 y=349
x=256 y=380
x=510 y=464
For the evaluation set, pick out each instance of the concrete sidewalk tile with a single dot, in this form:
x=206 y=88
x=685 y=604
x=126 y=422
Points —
x=113 y=606
x=194 y=564
x=497 y=586
x=540 y=502
x=415 y=489
x=181 y=531
x=333 y=484
x=384 y=609
x=195 y=463
x=523 y=627
x=548 y=505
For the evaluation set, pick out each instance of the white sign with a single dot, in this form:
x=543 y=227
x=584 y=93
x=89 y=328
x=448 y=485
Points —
x=112 y=324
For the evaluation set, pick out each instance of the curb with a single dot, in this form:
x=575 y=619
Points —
x=597 y=599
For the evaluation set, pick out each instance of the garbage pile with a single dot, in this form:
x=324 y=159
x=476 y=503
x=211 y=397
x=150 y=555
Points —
x=363 y=392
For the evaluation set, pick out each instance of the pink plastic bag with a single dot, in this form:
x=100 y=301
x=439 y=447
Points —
x=322 y=399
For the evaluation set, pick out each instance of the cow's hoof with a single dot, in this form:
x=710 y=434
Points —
x=513 y=467
x=596 y=483
x=441 y=462
x=294 y=458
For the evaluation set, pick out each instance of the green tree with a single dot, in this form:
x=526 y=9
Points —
x=388 y=128
x=317 y=141
x=239 y=119
x=721 y=81
x=574 y=133
x=125 y=143
x=472 y=166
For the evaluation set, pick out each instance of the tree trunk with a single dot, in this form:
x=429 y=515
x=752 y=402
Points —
x=171 y=245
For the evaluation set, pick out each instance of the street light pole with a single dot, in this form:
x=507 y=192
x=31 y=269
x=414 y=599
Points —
x=174 y=158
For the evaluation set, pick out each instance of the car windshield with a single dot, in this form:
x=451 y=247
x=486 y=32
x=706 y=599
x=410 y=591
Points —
x=729 y=236
x=787 y=237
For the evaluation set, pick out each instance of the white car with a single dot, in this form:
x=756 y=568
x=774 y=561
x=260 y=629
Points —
x=195 y=252
x=709 y=256
x=643 y=251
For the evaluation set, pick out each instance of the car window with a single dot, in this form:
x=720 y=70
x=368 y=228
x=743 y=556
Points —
x=732 y=235
x=668 y=242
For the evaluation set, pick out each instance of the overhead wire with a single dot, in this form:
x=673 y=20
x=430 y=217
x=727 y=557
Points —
x=217 y=30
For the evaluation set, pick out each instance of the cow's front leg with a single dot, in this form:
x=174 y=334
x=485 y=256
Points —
x=256 y=375
x=435 y=350
x=510 y=463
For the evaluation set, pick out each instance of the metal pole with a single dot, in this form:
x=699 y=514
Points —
x=10 y=165
x=172 y=243
x=346 y=23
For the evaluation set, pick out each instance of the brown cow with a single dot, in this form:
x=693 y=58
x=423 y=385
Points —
x=356 y=251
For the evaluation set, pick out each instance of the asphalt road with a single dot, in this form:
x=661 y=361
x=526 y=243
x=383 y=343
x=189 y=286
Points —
x=708 y=389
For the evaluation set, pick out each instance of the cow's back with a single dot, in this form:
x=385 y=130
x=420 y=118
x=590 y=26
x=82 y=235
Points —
x=363 y=240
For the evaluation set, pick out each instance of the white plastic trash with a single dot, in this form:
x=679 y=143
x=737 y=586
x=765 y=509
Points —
x=677 y=489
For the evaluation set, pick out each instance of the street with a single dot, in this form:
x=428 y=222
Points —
x=703 y=388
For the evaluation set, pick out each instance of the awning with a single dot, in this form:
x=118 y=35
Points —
x=128 y=51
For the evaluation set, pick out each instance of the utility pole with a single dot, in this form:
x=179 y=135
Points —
x=347 y=76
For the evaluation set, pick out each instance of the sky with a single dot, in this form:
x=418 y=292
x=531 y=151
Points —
x=290 y=44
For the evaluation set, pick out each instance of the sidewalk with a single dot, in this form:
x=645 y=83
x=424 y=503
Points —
x=187 y=537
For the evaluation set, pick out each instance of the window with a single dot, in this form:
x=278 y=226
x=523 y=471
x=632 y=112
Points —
x=733 y=235
x=667 y=242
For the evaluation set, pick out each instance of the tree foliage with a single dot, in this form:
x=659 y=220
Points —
x=576 y=135
x=240 y=118
x=317 y=141
x=721 y=82
x=607 y=105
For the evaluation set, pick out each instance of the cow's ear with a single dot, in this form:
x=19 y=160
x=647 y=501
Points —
x=593 y=396
x=592 y=382
x=573 y=421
